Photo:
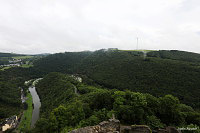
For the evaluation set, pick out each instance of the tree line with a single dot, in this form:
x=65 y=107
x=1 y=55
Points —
x=179 y=76
x=63 y=110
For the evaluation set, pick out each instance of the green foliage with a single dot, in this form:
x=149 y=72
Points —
x=153 y=105
x=5 y=57
x=161 y=73
x=169 y=112
x=99 y=99
x=23 y=57
x=10 y=55
x=9 y=99
x=129 y=106
x=185 y=108
x=61 y=62
x=92 y=120
x=66 y=116
x=94 y=105
x=52 y=94
x=193 y=117
x=25 y=122
x=4 y=61
x=11 y=82
x=154 y=122
x=176 y=55
x=156 y=76
x=42 y=125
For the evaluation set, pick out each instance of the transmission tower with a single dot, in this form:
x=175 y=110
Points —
x=137 y=42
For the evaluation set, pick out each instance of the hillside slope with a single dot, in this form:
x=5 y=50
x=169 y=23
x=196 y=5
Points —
x=129 y=70
x=176 y=55
x=10 y=102
x=61 y=62
x=63 y=110
x=10 y=54
x=54 y=89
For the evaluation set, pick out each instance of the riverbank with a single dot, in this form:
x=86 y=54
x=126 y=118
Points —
x=31 y=108
x=37 y=105
x=25 y=123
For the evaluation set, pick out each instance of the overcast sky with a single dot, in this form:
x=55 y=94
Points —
x=49 y=26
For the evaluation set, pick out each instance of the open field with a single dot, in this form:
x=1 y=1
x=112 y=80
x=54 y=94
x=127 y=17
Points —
x=25 y=122
x=26 y=65
x=139 y=50
x=23 y=57
x=4 y=68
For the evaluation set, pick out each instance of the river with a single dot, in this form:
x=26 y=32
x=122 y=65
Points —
x=37 y=105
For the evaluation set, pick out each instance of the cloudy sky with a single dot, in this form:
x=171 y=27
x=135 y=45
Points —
x=49 y=26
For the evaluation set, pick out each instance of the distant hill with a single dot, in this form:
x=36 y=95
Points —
x=42 y=54
x=64 y=109
x=160 y=73
x=67 y=62
x=176 y=55
x=10 y=54
x=132 y=85
x=4 y=57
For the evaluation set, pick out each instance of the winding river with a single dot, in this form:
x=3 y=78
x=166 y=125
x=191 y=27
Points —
x=36 y=107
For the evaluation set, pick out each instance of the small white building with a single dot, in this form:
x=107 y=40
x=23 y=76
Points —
x=10 y=123
x=79 y=79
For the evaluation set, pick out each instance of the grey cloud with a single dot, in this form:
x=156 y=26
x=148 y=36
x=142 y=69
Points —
x=39 y=26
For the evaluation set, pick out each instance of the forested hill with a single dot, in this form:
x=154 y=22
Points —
x=176 y=55
x=160 y=73
x=61 y=62
x=10 y=54
x=63 y=110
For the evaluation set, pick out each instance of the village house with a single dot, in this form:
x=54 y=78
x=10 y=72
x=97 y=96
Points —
x=10 y=123
x=112 y=49
x=15 y=61
x=9 y=65
x=79 y=79
x=23 y=97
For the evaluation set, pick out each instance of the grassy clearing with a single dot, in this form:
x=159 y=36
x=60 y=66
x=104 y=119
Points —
x=4 y=68
x=139 y=50
x=23 y=57
x=26 y=65
x=25 y=123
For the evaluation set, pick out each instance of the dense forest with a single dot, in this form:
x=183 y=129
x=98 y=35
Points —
x=63 y=109
x=10 y=102
x=3 y=61
x=67 y=62
x=176 y=55
x=158 y=89
x=131 y=70
x=10 y=55
x=11 y=82
x=4 y=57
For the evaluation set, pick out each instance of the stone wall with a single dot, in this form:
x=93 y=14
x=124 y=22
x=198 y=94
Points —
x=113 y=126
x=168 y=130
x=135 y=129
